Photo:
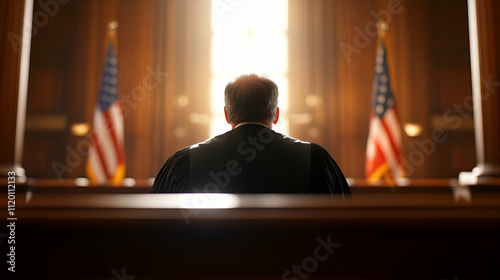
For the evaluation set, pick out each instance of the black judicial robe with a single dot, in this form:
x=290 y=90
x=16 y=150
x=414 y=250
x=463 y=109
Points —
x=251 y=158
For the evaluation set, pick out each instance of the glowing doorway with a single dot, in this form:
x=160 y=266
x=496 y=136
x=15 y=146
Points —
x=248 y=36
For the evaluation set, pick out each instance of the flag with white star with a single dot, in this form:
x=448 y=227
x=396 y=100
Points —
x=106 y=159
x=383 y=151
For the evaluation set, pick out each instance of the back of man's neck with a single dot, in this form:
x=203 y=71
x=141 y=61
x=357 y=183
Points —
x=266 y=124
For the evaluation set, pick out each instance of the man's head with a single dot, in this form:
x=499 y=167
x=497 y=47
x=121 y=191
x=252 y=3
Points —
x=251 y=98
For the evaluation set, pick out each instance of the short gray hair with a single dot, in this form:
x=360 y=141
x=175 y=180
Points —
x=251 y=97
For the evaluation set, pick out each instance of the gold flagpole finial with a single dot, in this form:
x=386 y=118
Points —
x=113 y=25
x=382 y=28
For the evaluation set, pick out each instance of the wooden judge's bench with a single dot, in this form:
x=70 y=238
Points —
x=429 y=229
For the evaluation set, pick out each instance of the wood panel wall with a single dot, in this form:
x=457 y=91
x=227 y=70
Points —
x=429 y=51
x=158 y=45
x=429 y=55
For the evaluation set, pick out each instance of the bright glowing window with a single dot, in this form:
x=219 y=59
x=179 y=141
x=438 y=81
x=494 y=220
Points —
x=248 y=36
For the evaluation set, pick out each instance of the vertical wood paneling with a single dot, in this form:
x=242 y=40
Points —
x=174 y=36
x=298 y=88
x=162 y=111
x=415 y=89
x=197 y=62
x=354 y=84
x=345 y=85
x=50 y=90
x=135 y=56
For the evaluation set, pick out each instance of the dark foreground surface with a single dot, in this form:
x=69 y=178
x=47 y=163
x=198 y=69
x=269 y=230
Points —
x=397 y=234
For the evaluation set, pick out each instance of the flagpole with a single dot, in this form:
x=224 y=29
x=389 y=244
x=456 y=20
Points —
x=383 y=160
x=112 y=28
x=382 y=28
x=108 y=167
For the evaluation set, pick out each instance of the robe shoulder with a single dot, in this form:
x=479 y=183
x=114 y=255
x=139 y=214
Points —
x=174 y=176
x=325 y=175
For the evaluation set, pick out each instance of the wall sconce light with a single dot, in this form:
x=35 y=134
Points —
x=183 y=100
x=80 y=129
x=313 y=100
x=412 y=129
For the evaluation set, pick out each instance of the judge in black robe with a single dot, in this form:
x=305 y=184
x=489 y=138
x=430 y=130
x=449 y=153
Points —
x=251 y=158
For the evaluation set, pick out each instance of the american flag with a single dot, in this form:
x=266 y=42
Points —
x=383 y=151
x=106 y=159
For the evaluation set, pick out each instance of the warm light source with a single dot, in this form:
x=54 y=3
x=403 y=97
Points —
x=313 y=100
x=82 y=182
x=80 y=129
x=248 y=37
x=128 y=182
x=183 y=100
x=412 y=129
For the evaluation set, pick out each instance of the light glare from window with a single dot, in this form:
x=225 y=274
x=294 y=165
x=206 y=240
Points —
x=248 y=36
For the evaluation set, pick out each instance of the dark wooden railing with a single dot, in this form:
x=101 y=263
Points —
x=412 y=232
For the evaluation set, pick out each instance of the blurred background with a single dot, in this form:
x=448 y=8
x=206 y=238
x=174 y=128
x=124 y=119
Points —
x=175 y=57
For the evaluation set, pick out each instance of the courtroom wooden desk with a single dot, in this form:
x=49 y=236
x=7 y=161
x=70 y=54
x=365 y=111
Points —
x=389 y=234
x=358 y=186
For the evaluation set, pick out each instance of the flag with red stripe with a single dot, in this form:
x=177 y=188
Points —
x=106 y=159
x=383 y=152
